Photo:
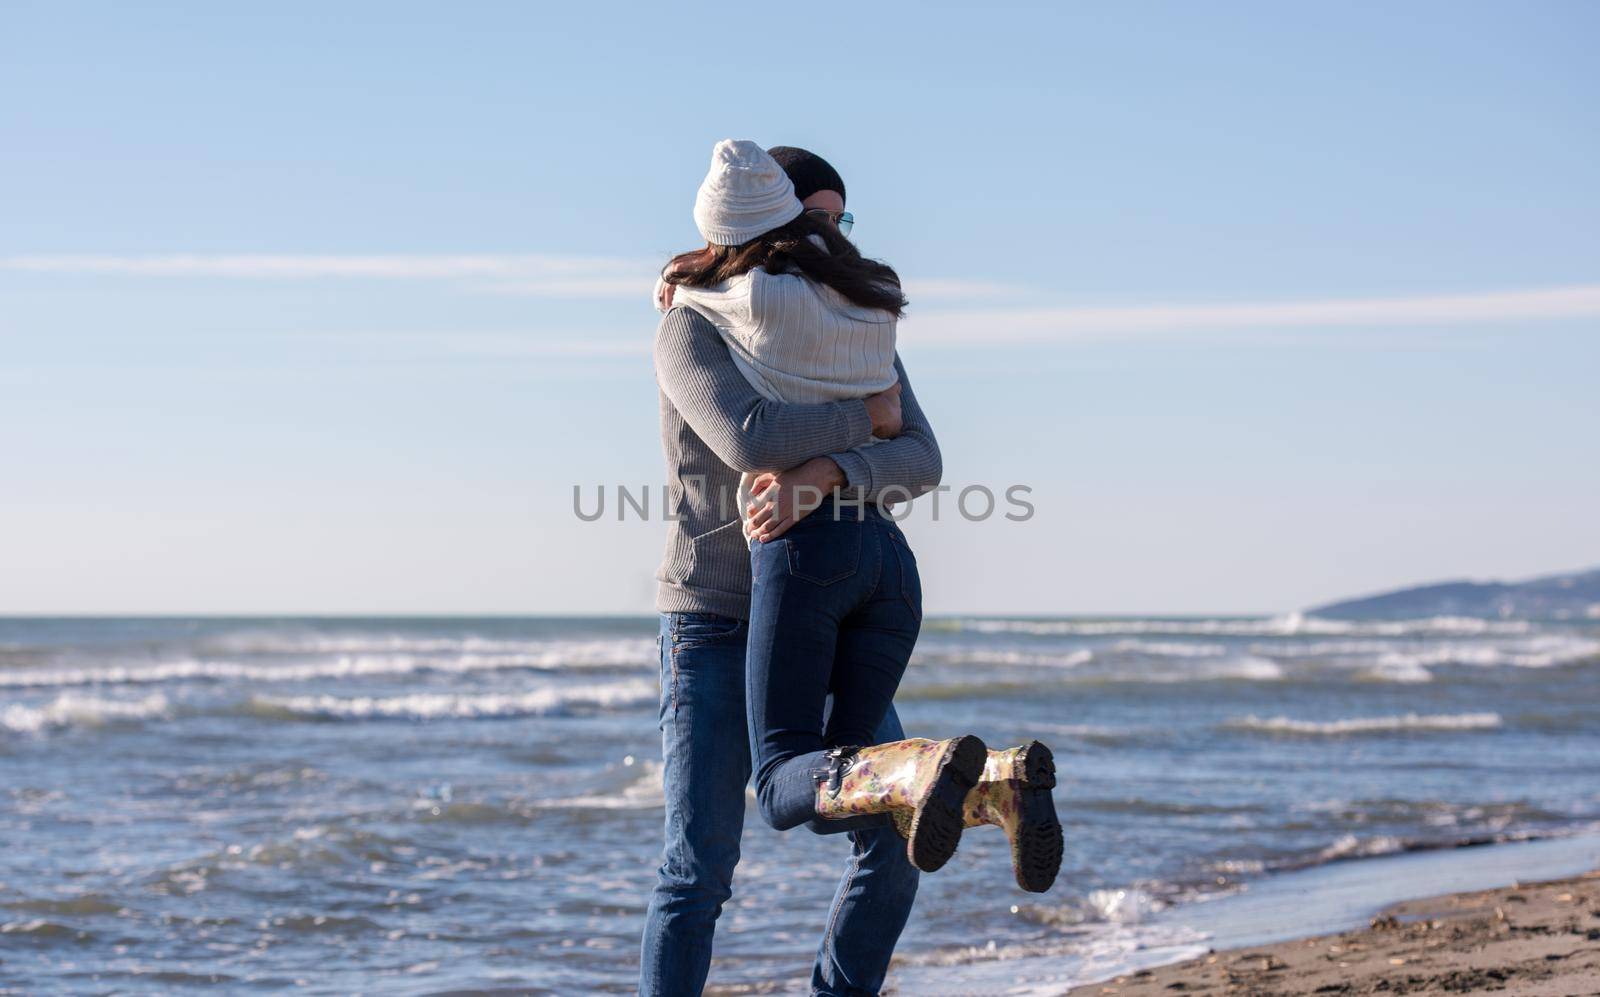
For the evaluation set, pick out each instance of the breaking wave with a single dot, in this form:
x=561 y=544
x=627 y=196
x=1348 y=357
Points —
x=75 y=710
x=1169 y=649
x=1293 y=624
x=643 y=793
x=1368 y=725
x=1541 y=652
x=1243 y=667
x=548 y=657
x=389 y=643
x=456 y=706
x=1005 y=658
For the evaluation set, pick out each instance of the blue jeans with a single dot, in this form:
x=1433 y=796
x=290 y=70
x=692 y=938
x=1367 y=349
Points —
x=707 y=765
x=835 y=607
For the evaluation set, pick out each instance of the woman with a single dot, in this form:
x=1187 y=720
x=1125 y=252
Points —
x=836 y=600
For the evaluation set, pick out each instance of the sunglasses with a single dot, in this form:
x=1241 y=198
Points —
x=844 y=221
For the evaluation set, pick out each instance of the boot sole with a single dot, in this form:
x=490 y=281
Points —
x=1039 y=840
x=938 y=822
x=1033 y=767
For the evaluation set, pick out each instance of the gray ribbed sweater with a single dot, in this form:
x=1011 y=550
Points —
x=714 y=426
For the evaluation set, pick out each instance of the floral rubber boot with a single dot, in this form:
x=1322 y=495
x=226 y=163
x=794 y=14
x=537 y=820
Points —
x=1015 y=795
x=928 y=781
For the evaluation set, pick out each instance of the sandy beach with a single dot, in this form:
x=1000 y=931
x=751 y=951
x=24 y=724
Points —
x=1530 y=939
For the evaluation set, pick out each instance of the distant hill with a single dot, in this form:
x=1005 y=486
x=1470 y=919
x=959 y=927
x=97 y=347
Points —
x=1553 y=597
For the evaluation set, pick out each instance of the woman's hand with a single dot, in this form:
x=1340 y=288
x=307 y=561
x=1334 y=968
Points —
x=782 y=499
x=663 y=295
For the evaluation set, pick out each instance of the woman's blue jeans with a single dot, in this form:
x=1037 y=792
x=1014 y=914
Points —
x=835 y=607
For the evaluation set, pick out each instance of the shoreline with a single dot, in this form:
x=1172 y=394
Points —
x=1532 y=939
x=1271 y=920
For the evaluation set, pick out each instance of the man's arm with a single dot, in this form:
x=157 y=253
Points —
x=746 y=431
x=911 y=460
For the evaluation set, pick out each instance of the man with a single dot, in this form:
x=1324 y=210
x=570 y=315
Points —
x=714 y=426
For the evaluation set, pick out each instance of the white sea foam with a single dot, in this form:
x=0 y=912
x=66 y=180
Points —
x=1405 y=672
x=1353 y=648
x=1053 y=964
x=435 y=706
x=75 y=710
x=269 y=642
x=1102 y=733
x=1539 y=652
x=1351 y=847
x=550 y=656
x=1123 y=906
x=1071 y=659
x=643 y=793
x=1173 y=669
x=1291 y=625
x=1238 y=867
x=1369 y=725
x=1170 y=649
x=1247 y=668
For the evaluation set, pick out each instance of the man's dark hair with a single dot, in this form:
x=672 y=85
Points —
x=809 y=171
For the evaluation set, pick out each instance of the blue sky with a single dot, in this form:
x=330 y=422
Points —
x=327 y=308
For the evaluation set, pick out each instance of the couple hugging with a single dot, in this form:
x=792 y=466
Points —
x=786 y=625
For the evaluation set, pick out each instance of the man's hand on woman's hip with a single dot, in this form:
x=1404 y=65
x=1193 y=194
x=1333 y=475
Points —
x=781 y=499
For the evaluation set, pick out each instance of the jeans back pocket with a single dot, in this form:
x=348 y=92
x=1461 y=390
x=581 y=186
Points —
x=825 y=555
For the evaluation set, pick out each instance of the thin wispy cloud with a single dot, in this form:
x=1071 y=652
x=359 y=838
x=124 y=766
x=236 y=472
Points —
x=504 y=345
x=520 y=274
x=1017 y=327
x=636 y=285
x=938 y=322
x=530 y=275
x=1067 y=324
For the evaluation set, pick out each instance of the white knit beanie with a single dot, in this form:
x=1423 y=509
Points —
x=745 y=194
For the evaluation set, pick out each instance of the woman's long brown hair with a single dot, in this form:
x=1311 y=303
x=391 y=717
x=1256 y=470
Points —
x=789 y=249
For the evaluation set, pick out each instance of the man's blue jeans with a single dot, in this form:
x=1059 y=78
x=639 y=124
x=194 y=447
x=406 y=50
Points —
x=706 y=751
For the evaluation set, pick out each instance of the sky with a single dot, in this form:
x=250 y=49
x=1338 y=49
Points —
x=311 y=308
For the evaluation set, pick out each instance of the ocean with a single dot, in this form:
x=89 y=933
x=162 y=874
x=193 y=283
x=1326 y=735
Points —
x=415 y=805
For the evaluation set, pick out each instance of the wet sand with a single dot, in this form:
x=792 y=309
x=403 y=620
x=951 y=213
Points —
x=1532 y=940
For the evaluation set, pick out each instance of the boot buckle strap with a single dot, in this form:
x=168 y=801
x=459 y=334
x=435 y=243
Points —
x=838 y=763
